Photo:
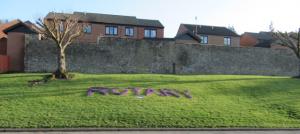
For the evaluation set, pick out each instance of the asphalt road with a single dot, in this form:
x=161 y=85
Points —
x=161 y=132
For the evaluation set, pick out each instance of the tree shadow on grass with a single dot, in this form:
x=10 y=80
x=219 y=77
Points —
x=22 y=75
x=264 y=88
x=156 y=83
x=277 y=96
x=40 y=93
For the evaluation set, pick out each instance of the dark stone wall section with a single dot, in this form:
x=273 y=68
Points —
x=113 y=55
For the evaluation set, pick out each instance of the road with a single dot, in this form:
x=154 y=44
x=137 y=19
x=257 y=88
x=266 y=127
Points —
x=161 y=132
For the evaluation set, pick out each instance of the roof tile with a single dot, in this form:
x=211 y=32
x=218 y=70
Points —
x=110 y=19
x=211 y=30
x=6 y=26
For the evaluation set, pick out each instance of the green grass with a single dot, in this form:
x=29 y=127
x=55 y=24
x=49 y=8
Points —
x=218 y=101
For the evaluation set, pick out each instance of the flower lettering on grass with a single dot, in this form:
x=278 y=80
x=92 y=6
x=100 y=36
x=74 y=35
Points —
x=138 y=92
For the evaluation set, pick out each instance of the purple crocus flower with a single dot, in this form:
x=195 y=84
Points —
x=117 y=92
x=149 y=91
x=136 y=91
x=100 y=90
x=173 y=93
x=103 y=91
x=187 y=94
x=90 y=92
x=163 y=92
x=124 y=92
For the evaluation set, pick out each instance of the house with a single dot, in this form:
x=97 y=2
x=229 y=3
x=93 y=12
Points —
x=12 y=42
x=261 y=39
x=207 y=35
x=3 y=36
x=105 y=25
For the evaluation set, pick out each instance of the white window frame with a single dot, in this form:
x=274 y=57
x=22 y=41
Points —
x=227 y=41
x=87 y=29
x=204 y=39
x=129 y=31
x=111 y=30
x=150 y=33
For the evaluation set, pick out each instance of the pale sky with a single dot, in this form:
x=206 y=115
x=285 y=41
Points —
x=244 y=15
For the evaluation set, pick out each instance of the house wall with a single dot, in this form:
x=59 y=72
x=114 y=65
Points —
x=114 y=55
x=98 y=30
x=4 y=63
x=15 y=51
x=3 y=46
x=248 y=41
x=219 y=40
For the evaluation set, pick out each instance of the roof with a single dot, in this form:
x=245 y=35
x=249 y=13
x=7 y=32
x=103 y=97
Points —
x=8 y=25
x=265 y=39
x=4 y=28
x=210 y=30
x=187 y=36
x=261 y=35
x=110 y=19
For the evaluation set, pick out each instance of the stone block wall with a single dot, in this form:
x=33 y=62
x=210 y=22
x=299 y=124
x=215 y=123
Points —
x=111 y=55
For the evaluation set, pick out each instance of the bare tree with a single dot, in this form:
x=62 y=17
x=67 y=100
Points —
x=289 y=40
x=3 y=21
x=63 y=29
x=232 y=28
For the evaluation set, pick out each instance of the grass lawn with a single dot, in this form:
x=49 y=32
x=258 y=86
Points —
x=218 y=101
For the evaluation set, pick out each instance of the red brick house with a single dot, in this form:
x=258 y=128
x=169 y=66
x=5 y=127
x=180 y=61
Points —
x=261 y=39
x=3 y=36
x=207 y=35
x=104 y=25
x=12 y=42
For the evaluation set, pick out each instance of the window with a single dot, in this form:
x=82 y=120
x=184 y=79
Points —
x=61 y=26
x=150 y=33
x=87 y=29
x=204 y=39
x=227 y=41
x=111 y=30
x=129 y=31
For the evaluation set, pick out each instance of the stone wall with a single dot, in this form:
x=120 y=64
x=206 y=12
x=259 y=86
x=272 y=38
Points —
x=113 y=55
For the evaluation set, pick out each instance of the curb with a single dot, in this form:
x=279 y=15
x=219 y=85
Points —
x=140 y=129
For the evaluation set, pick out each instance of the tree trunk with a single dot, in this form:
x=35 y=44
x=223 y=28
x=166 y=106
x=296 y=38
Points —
x=61 y=72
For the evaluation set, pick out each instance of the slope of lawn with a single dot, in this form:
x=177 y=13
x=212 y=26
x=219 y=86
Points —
x=218 y=101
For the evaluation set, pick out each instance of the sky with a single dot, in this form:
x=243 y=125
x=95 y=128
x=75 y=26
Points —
x=243 y=15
